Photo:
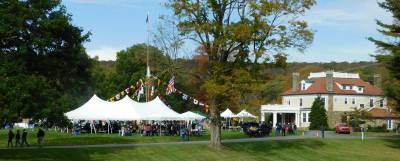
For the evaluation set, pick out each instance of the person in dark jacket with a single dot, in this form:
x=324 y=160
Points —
x=10 y=138
x=17 y=138
x=24 y=140
x=322 y=128
x=40 y=136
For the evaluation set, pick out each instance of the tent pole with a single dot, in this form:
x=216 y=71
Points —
x=91 y=126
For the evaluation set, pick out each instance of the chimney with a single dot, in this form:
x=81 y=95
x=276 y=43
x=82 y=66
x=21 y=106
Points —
x=329 y=81
x=295 y=81
x=377 y=80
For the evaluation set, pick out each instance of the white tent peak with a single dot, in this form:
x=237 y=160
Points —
x=244 y=113
x=191 y=116
x=228 y=114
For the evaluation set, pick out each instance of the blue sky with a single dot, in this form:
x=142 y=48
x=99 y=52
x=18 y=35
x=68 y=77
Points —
x=341 y=26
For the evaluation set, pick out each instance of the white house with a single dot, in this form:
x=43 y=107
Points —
x=341 y=92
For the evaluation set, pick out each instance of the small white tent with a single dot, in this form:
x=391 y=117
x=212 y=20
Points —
x=191 y=116
x=227 y=114
x=94 y=109
x=245 y=114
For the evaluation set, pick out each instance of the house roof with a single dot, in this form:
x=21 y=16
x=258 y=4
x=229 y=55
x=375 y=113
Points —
x=319 y=87
x=381 y=113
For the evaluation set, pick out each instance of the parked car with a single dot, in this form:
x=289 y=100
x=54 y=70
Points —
x=342 y=128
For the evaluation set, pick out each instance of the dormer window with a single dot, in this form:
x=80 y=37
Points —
x=351 y=87
x=359 y=88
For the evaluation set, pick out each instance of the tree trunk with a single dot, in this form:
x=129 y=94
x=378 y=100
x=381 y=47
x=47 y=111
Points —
x=215 y=127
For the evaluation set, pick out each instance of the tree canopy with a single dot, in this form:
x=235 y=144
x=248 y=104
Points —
x=318 y=115
x=234 y=34
x=390 y=55
x=44 y=67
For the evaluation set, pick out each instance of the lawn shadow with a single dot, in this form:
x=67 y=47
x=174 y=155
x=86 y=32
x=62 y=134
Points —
x=56 y=154
x=270 y=147
x=392 y=141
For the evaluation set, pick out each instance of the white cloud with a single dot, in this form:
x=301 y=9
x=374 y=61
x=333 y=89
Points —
x=347 y=15
x=104 y=53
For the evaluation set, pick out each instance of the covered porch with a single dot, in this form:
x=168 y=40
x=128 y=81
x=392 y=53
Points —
x=285 y=114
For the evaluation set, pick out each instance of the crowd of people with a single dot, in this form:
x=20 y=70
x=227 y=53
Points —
x=22 y=139
x=285 y=129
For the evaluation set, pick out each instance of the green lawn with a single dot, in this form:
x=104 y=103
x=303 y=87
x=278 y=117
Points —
x=310 y=149
x=58 y=138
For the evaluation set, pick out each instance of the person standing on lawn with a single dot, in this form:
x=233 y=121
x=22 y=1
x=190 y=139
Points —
x=40 y=136
x=17 y=138
x=24 y=141
x=10 y=138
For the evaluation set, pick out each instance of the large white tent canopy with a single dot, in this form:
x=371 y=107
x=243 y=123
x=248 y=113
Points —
x=125 y=109
x=245 y=114
x=227 y=114
x=94 y=109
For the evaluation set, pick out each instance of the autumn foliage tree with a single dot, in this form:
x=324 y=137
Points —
x=239 y=34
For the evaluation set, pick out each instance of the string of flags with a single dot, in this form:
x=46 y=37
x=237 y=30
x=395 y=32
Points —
x=135 y=92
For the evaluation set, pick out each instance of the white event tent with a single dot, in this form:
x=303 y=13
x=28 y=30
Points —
x=245 y=114
x=94 y=109
x=156 y=110
x=227 y=114
x=192 y=116
x=124 y=109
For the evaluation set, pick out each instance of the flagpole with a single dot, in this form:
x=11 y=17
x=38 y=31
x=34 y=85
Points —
x=147 y=59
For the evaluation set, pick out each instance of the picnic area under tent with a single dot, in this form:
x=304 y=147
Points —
x=245 y=114
x=228 y=114
x=192 y=116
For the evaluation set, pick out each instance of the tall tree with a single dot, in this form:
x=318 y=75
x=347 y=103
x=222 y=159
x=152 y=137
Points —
x=239 y=33
x=318 y=116
x=391 y=49
x=38 y=37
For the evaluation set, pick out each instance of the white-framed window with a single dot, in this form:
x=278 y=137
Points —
x=389 y=124
x=351 y=87
x=361 y=105
x=381 y=103
x=353 y=101
x=304 y=117
x=360 y=89
x=308 y=117
x=301 y=102
x=345 y=100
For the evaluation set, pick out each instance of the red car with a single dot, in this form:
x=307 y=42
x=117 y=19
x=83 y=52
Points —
x=342 y=129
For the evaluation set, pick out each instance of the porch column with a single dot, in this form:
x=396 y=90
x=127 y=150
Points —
x=262 y=116
x=297 y=119
x=274 y=118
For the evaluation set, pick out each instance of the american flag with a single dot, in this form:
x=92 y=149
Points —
x=170 y=87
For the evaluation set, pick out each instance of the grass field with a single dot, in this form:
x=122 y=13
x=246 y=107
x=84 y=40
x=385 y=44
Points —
x=58 y=138
x=298 y=150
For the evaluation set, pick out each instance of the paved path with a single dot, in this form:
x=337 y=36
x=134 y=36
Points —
x=195 y=142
